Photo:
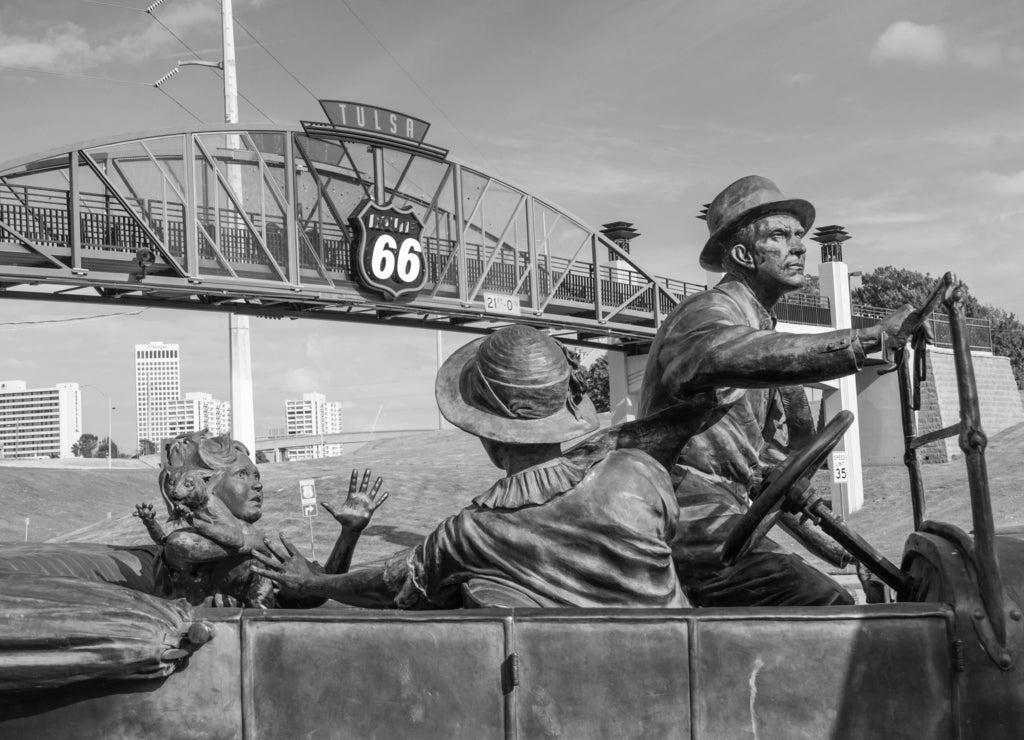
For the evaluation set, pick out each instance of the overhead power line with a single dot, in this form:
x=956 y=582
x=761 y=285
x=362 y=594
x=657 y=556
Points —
x=149 y=11
x=418 y=86
x=151 y=14
x=72 y=75
x=279 y=62
x=71 y=319
x=178 y=103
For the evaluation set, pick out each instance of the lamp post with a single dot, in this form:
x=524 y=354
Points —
x=110 y=409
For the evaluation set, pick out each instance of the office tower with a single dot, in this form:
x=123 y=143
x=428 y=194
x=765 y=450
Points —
x=313 y=415
x=157 y=390
x=39 y=422
x=200 y=411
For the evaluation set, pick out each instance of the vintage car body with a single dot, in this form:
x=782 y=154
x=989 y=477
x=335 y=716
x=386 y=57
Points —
x=872 y=671
x=901 y=670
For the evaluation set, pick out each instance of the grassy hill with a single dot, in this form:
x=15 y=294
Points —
x=431 y=476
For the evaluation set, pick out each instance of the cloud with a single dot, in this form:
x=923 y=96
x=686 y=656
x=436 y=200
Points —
x=999 y=184
x=68 y=47
x=798 y=78
x=988 y=55
x=304 y=380
x=904 y=41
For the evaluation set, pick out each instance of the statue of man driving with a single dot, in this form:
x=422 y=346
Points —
x=581 y=532
x=719 y=350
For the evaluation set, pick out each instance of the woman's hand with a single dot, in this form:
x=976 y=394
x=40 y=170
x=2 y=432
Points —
x=355 y=514
x=215 y=522
x=286 y=566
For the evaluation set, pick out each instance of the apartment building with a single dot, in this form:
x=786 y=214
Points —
x=198 y=411
x=311 y=415
x=39 y=422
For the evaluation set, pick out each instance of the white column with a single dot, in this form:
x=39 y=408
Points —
x=625 y=380
x=846 y=497
x=243 y=420
x=619 y=401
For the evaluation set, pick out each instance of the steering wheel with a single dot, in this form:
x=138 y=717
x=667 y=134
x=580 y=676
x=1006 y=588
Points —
x=795 y=470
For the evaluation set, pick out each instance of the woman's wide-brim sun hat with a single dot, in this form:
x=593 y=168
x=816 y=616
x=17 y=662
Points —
x=515 y=385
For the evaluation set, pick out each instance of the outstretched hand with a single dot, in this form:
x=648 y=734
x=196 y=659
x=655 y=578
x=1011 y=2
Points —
x=903 y=323
x=362 y=502
x=282 y=563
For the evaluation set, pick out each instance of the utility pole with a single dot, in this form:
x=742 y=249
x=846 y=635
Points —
x=243 y=422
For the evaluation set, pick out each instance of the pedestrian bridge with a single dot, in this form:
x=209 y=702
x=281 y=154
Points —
x=276 y=447
x=260 y=221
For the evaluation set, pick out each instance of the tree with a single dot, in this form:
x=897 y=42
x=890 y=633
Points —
x=101 y=449
x=890 y=287
x=812 y=285
x=595 y=379
x=147 y=447
x=85 y=446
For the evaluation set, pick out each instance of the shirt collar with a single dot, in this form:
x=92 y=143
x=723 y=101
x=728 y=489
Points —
x=740 y=292
x=534 y=486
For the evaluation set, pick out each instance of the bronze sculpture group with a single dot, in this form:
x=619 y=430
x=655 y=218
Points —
x=603 y=523
x=643 y=514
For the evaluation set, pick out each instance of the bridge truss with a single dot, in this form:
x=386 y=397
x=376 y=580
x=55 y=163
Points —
x=256 y=221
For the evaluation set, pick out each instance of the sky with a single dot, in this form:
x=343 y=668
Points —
x=901 y=121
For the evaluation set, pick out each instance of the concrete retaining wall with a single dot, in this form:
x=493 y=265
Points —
x=1001 y=405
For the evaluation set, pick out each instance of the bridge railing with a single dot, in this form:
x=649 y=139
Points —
x=979 y=330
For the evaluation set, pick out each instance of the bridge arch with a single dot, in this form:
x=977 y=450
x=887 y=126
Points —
x=258 y=220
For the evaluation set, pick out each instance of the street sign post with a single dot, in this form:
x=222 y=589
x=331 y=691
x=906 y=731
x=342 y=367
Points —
x=307 y=500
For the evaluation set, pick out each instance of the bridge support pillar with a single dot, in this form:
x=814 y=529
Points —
x=847 y=497
x=243 y=421
x=625 y=377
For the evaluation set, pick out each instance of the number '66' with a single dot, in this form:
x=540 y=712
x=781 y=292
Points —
x=406 y=265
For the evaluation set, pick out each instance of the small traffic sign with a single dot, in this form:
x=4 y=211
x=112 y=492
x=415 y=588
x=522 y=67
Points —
x=839 y=472
x=307 y=497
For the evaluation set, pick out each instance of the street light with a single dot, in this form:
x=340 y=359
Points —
x=110 y=409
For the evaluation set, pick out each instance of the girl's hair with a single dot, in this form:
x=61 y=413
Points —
x=199 y=450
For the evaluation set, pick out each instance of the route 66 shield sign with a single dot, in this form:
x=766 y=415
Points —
x=388 y=255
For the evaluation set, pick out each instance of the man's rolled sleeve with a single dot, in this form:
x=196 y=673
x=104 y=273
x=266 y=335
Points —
x=403 y=576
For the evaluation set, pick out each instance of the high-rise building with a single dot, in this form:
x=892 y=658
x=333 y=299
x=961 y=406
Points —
x=157 y=390
x=200 y=411
x=310 y=416
x=39 y=422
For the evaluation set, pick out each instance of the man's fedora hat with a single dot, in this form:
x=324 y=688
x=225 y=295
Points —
x=747 y=199
x=515 y=385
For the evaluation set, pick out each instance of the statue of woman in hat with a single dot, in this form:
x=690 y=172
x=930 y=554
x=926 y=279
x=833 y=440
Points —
x=591 y=530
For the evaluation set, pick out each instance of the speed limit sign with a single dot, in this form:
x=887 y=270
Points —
x=839 y=471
